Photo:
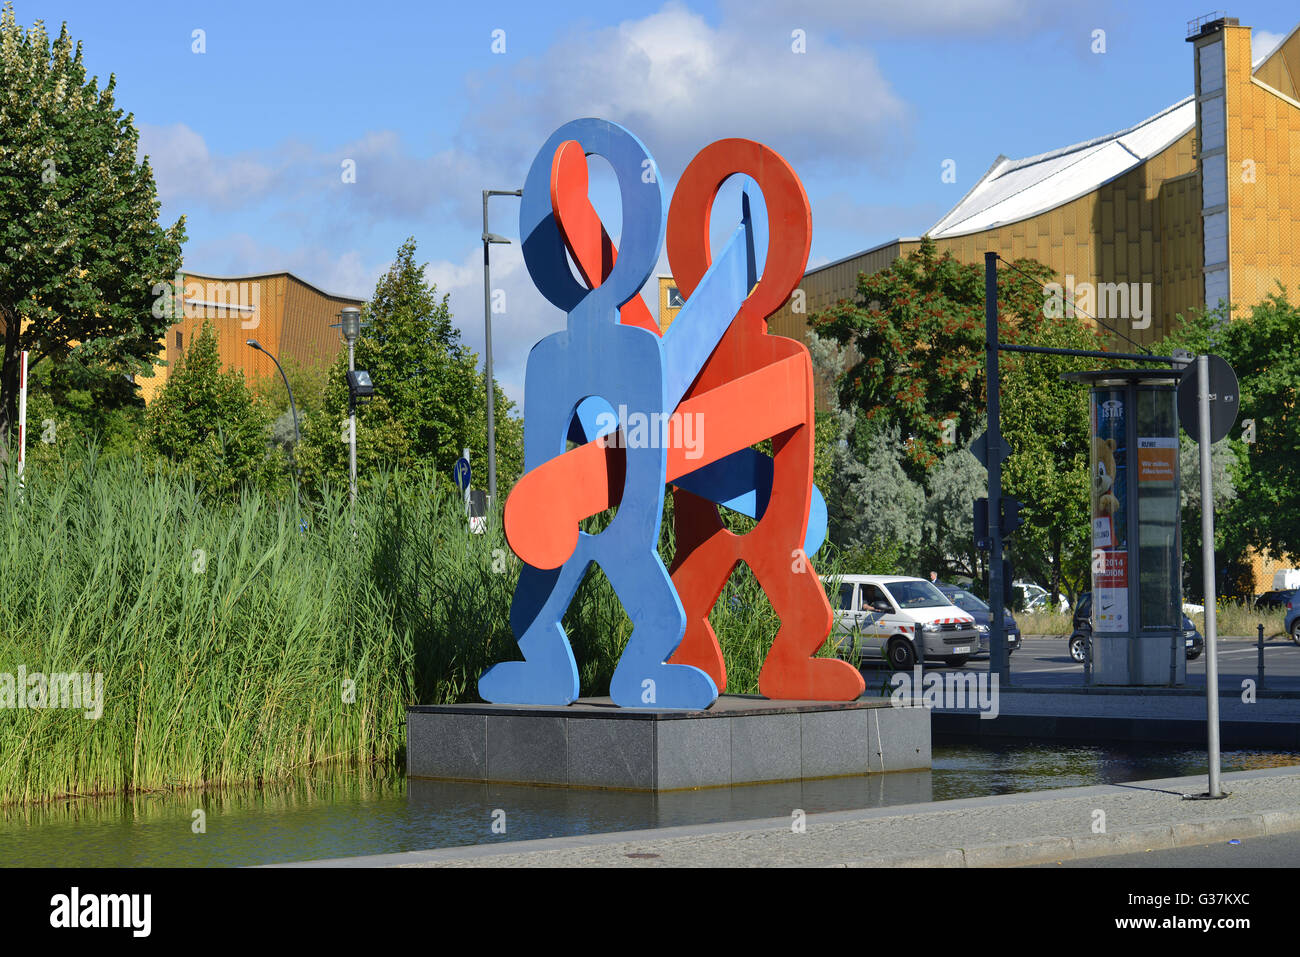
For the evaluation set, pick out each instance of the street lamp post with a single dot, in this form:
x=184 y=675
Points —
x=293 y=457
x=488 y=240
x=350 y=322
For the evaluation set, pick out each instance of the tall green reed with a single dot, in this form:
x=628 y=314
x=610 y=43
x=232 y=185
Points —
x=246 y=642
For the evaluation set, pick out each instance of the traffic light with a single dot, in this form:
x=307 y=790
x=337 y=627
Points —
x=1008 y=576
x=982 y=541
x=1011 y=519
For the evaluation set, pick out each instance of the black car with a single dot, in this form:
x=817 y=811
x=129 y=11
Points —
x=1083 y=631
x=1276 y=599
x=978 y=609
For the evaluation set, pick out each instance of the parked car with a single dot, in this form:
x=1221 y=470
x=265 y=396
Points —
x=1082 y=634
x=1033 y=597
x=1292 y=623
x=978 y=609
x=1275 y=599
x=883 y=616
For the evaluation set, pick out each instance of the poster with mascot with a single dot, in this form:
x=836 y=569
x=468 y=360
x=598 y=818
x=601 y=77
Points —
x=1109 y=488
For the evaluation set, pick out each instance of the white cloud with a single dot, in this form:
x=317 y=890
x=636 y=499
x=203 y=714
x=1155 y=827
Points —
x=1264 y=42
x=680 y=83
x=921 y=17
x=528 y=317
x=187 y=172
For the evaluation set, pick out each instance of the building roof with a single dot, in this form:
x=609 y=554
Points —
x=1013 y=190
x=186 y=271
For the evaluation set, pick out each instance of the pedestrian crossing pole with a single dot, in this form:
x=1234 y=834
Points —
x=998 y=663
x=22 y=417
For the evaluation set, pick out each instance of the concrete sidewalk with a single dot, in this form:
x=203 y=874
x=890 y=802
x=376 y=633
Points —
x=1030 y=828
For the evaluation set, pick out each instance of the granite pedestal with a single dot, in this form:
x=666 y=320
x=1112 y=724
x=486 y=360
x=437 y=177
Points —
x=592 y=743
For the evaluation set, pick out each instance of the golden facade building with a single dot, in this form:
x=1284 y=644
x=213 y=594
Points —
x=289 y=317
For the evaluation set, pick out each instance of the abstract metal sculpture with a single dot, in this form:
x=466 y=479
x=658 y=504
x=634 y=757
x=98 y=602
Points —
x=716 y=365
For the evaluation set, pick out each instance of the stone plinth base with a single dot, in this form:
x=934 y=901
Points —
x=591 y=743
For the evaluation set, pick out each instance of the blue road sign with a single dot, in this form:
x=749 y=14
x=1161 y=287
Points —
x=461 y=473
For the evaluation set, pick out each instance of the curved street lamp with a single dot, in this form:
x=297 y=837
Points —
x=293 y=458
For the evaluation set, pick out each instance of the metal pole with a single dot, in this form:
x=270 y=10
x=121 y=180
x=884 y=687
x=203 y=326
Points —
x=352 y=431
x=1207 y=569
x=293 y=409
x=22 y=417
x=997 y=625
x=465 y=453
x=488 y=240
x=487 y=363
x=1259 y=665
x=297 y=436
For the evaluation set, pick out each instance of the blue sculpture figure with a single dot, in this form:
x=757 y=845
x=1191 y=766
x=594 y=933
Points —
x=596 y=358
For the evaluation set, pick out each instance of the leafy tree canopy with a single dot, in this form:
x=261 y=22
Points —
x=916 y=335
x=430 y=401
x=82 y=248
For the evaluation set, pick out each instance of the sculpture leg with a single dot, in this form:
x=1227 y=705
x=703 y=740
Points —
x=548 y=674
x=643 y=678
x=704 y=560
x=790 y=670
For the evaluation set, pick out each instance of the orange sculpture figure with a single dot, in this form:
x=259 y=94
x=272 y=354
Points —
x=707 y=551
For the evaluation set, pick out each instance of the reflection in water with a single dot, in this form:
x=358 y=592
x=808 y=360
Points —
x=348 y=812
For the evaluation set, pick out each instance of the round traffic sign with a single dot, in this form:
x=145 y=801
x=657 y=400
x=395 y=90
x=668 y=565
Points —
x=1224 y=399
x=461 y=473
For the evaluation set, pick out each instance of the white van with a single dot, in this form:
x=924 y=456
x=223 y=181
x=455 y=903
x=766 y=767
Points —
x=900 y=619
x=1284 y=579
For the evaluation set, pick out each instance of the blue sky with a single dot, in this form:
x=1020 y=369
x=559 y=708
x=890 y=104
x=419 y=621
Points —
x=249 y=137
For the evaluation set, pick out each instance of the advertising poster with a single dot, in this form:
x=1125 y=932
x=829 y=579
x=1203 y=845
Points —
x=1157 y=459
x=1109 y=487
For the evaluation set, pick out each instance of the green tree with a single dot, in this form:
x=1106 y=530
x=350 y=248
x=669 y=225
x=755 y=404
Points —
x=430 y=400
x=1263 y=348
x=1045 y=424
x=947 y=532
x=912 y=355
x=208 y=422
x=915 y=334
x=83 y=251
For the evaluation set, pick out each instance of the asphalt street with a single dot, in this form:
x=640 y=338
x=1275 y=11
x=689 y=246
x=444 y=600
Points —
x=1274 y=850
x=1047 y=662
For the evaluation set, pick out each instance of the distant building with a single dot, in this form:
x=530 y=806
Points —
x=670 y=302
x=289 y=317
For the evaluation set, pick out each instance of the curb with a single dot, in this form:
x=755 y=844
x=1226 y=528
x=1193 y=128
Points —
x=1047 y=850
x=1277 y=734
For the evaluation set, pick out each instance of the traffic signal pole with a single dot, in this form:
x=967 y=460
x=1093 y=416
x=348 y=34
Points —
x=998 y=661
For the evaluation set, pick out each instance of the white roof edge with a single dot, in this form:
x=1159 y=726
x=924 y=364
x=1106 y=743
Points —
x=186 y=271
x=1097 y=141
x=996 y=167
x=1254 y=67
x=1028 y=161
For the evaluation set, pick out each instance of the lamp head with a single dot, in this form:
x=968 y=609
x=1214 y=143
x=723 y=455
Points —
x=350 y=321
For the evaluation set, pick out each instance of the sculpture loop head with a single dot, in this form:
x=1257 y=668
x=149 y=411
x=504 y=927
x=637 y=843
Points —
x=788 y=213
x=642 y=200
